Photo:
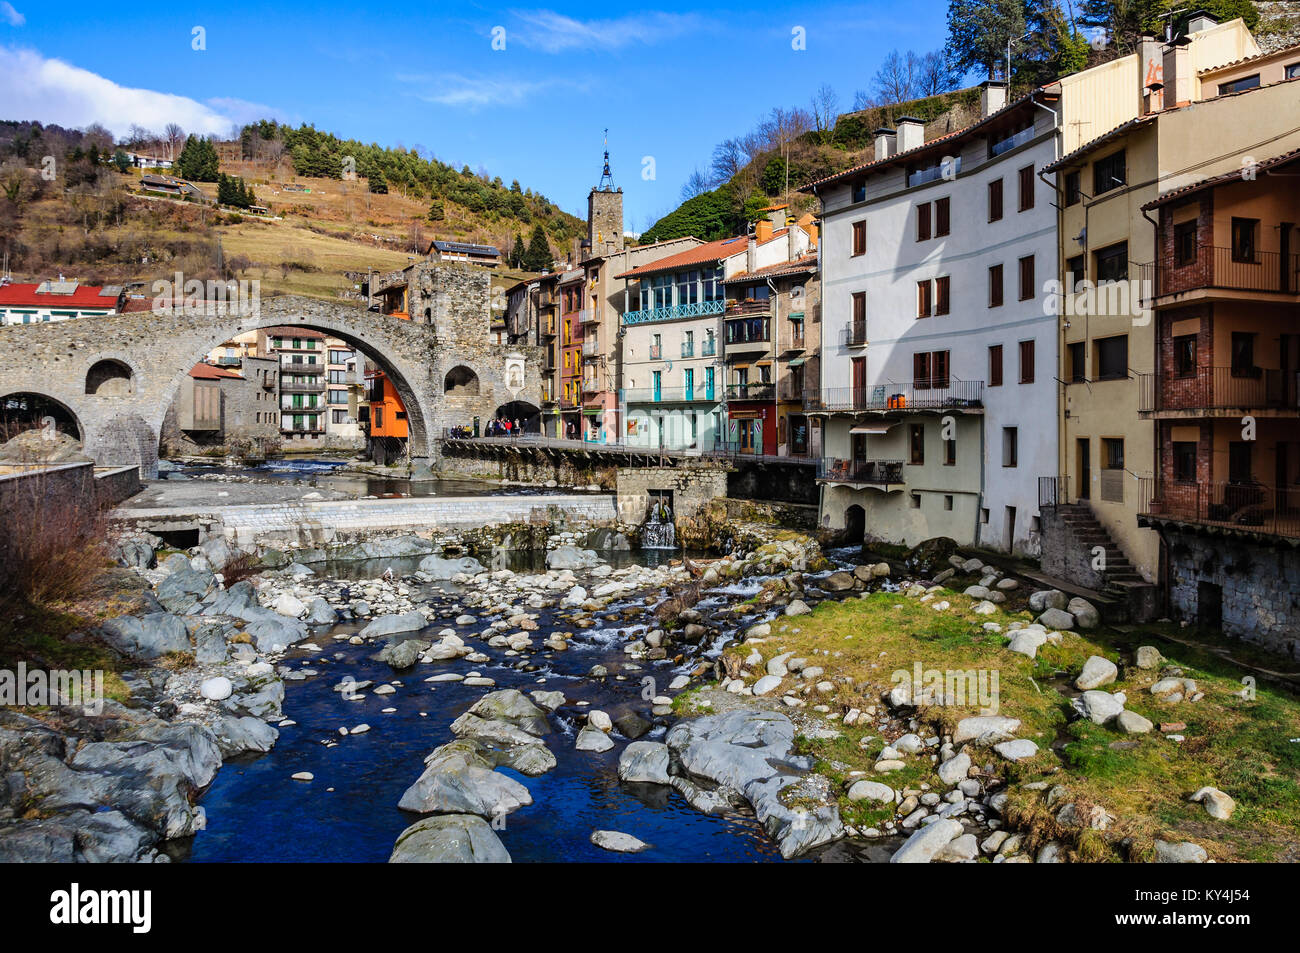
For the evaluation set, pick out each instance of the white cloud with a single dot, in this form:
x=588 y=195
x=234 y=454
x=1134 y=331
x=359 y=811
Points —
x=553 y=32
x=10 y=15
x=52 y=91
x=468 y=92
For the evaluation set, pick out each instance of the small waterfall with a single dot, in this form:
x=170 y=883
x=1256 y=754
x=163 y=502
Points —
x=658 y=531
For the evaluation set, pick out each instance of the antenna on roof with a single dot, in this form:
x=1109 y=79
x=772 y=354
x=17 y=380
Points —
x=606 y=177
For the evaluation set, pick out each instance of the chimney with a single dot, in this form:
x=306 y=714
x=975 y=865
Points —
x=884 y=143
x=791 y=246
x=763 y=230
x=751 y=253
x=777 y=214
x=1153 y=75
x=911 y=133
x=1199 y=21
x=1178 y=72
x=993 y=96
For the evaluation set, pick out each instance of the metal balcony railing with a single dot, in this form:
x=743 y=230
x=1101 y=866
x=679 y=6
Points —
x=590 y=348
x=874 y=472
x=855 y=334
x=589 y=316
x=1249 y=506
x=757 y=390
x=900 y=398
x=709 y=348
x=791 y=343
x=1227 y=269
x=737 y=307
x=747 y=333
x=673 y=312
x=670 y=395
x=688 y=349
x=298 y=387
x=1220 y=388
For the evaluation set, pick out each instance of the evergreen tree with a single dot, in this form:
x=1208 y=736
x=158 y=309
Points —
x=121 y=161
x=517 y=251
x=538 y=257
x=436 y=211
x=223 y=190
x=978 y=31
x=378 y=184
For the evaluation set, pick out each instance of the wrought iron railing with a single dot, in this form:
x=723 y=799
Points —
x=948 y=395
x=1220 y=388
x=855 y=333
x=695 y=310
x=665 y=395
x=877 y=472
x=1229 y=269
x=757 y=390
x=1251 y=506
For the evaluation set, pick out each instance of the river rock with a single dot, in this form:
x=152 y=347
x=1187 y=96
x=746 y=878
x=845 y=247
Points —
x=1056 y=619
x=1097 y=671
x=954 y=769
x=548 y=700
x=438 y=567
x=1045 y=599
x=767 y=684
x=457 y=780
x=239 y=735
x=618 y=842
x=1184 y=852
x=1027 y=642
x=1098 y=706
x=449 y=839
x=1217 y=804
x=797 y=607
x=593 y=739
x=402 y=654
x=184 y=587
x=385 y=625
x=871 y=791
x=320 y=612
x=1131 y=723
x=218 y=688
x=1085 y=613
x=927 y=842
x=644 y=761
x=838 y=582
x=1016 y=750
x=1148 y=657
x=570 y=557
x=289 y=605
x=969 y=729
x=147 y=637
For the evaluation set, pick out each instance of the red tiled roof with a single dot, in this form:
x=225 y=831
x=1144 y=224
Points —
x=292 y=332
x=207 y=372
x=84 y=296
x=1103 y=139
x=710 y=251
x=1281 y=52
x=1234 y=176
x=799 y=266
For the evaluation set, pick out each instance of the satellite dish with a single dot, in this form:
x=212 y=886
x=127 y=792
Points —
x=1082 y=237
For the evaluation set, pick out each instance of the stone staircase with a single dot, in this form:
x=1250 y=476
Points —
x=1071 y=556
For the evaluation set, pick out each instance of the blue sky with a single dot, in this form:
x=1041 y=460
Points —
x=669 y=80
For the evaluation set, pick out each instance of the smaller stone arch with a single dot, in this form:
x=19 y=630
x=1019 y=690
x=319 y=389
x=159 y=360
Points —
x=110 y=378
x=461 y=381
x=855 y=524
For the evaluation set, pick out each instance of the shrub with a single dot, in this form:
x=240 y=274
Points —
x=53 y=544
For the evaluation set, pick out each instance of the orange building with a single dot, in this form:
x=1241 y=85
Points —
x=386 y=425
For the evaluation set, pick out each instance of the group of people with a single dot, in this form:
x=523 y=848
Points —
x=504 y=427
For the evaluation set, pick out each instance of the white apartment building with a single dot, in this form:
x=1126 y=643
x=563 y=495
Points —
x=938 y=398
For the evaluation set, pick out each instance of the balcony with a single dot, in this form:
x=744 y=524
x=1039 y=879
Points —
x=299 y=387
x=290 y=366
x=758 y=390
x=590 y=348
x=748 y=334
x=855 y=334
x=884 y=473
x=674 y=312
x=709 y=348
x=1209 y=390
x=756 y=306
x=548 y=392
x=1218 y=269
x=1245 y=507
x=792 y=389
x=670 y=395
x=589 y=316
x=792 y=343
x=546 y=327
x=229 y=361
x=899 y=398
x=593 y=384
x=688 y=349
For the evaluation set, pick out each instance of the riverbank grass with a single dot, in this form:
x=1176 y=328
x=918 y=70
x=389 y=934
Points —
x=1241 y=745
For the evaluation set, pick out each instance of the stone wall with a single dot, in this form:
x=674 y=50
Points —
x=693 y=488
x=1064 y=555
x=766 y=480
x=562 y=469
x=1257 y=584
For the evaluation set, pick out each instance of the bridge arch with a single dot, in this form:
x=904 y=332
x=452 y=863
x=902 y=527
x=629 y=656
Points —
x=110 y=377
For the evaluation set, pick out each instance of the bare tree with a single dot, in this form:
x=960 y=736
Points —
x=825 y=110
x=895 y=81
x=933 y=74
x=862 y=100
x=696 y=184
x=729 y=157
x=174 y=135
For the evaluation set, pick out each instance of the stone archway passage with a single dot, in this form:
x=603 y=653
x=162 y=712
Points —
x=26 y=411
x=528 y=415
x=117 y=375
x=855 y=525
x=461 y=382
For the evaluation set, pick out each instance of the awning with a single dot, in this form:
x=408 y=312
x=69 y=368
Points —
x=871 y=428
x=797 y=361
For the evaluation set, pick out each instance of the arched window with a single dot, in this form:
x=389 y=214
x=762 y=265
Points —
x=109 y=378
x=461 y=382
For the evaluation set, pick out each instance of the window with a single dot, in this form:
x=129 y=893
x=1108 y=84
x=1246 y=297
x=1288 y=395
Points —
x=1026 y=278
x=859 y=191
x=1239 y=468
x=995 y=286
x=1185 y=243
x=859 y=238
x=950 y=453
x=860 y=310
x=923 y=305
x=1026 y=362
x=1243 y=238
x=930 y=369
x=1075 y=272
x=941 y=285
x=1026 y=188
x=1010 y=446
x=1239 y=85
x=339 y=417
x=995 y=200
x=1109 y=173
x=941 y=215
x=1112 y=453
x=1112 y=263
x=1243 y=354
x=1112 y=358
x=995 y=365
x=947 y=501
x=914 y=501
x=1076 y=355
x=1073 y=190
x=1185 y=355
x=1292 y=71
x=917 y=445
x=923 y=221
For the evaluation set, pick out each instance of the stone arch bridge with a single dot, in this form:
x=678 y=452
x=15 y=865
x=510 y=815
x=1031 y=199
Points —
x=118 y=375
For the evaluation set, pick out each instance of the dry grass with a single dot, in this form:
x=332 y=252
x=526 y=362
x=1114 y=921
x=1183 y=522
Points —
x=52 y=547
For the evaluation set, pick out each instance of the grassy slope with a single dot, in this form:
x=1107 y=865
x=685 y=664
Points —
x=1240 y=746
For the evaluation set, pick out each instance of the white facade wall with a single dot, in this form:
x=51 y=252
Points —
x=889 y=271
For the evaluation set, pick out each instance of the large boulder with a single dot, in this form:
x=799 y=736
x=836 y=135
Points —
x=570 y=557
x=402 y=653
x=458 y=780
x=412 y=621
x=184 y=587
x=449 y=839
x=1097 y=671
x=1097 y=706
x=148 y=636
x=645 y=762
x=1045 y=599
x=926 y=842
x=440 y=567
x=1056 y=619
x=931 y=555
